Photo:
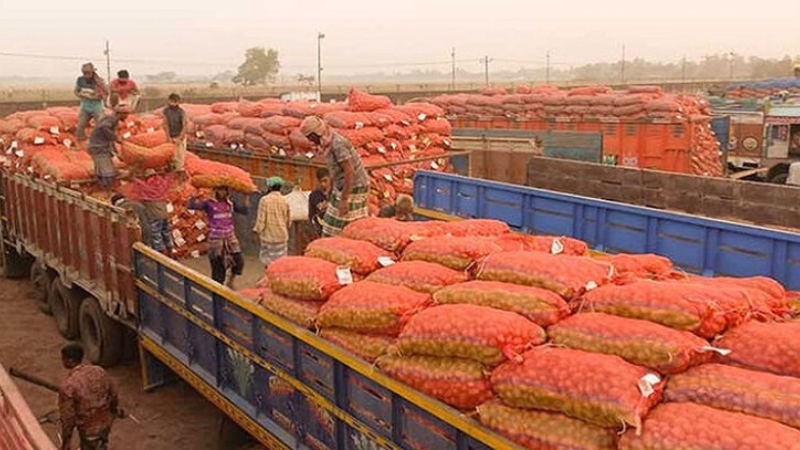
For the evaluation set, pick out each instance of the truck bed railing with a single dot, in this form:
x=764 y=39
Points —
x=698 y=245
x=283 y=384
x=19 y=428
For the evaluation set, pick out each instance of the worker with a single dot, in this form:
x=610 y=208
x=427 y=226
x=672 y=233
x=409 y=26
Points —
x=153 y=191
x=224 y=249
x=318 y=200
x=124 y=91
x=797 y=70
x=87 y=400
x=137 y=208
x=402 y=209
x=102 y=146
x=175 y=128
x=272 y=223
x=91 y=89
x=350 y=182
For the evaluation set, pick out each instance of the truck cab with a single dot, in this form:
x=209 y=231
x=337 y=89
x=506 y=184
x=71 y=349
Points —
x=781 y=140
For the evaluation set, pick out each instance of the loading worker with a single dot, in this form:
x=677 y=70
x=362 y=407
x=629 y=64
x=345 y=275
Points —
x=350 y=189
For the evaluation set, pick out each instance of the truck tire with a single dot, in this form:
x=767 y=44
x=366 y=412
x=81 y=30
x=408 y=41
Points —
x=41 y=279
x=64 y=303
x=100 y=335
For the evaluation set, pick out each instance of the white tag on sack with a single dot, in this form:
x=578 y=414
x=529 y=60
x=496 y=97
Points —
x=387 y=177
x=385 y=261
x=149 y=130
x=434 y=166
x=195 y=254
x=209 y=145
x=14 y=144
x=54 y=131
x=67 y=143
x=127 y=135
x=310 y=155
x=130 y=124
x=191 y=212
x=557 y=247
x=233 y=146
x=199 y=224
x=719 y=351
x=422 y=117
x=447 y=143
x=590 y=286
x=344 y=275
x=382 y=150
x=359 y=125
x=412 y=148
x=38 y=140
x=394 y=146
x=646 y=383
x=20 y=153
x=199 y=134
x=170 y=208
x=201 y=238
x=415 y=238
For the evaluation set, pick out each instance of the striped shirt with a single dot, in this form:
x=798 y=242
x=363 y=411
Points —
x=342 y=150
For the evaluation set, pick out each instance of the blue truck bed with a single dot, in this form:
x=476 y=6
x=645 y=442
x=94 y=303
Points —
x=698 y=245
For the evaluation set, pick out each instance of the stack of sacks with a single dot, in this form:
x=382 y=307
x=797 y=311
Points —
x=381 y=132
x=598 y=103
x=762 y=89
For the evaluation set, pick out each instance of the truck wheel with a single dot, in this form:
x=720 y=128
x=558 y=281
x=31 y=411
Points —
x=100 y=335
x=64 y=304
x=41 y=279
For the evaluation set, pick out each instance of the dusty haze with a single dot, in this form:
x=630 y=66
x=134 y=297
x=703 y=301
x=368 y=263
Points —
x=203 y=38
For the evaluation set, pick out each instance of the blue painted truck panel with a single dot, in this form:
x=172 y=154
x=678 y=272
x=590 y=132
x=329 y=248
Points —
x=698 y=245
x=285 y=385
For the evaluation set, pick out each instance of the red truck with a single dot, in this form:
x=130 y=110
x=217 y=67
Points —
x=19 y=429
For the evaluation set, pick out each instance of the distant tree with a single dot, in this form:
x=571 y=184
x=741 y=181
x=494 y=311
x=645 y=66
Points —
x=306 y=79
x=162 y=77
x=224 y=77
x=259 y=65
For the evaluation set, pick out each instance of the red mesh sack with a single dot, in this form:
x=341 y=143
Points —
x=366 y=346
x=255 y=142
x=31 y=136
x=568 y=276
x=639 y=342
x=280 y=125
x=600 y=389
x=362 y=136
x=458 y=253
x=362 y=102
x=349 y=120
x=541 y=306
x=369 y=307
x=249 y=109
x=475 y=227
x=149 y=140
x=252 y=294
x=460 y=383
x=681 y=306
x=777 y=300
x=11 y=126
x=740 y=390
x=420 y=110
x=360 y=256
x=479 y=333
x=301 y=312
x=690 y=426
x=642 y=266
x=512 y=242
x=389 y=234
x=224 y=107
x=44 y=122
x=158 y=157
x=420 y=276
x=540 y=430
x=210 y=174
x=63 y=165
x=276 y=140
x=437 y=126
x=770 y=347
x=208 y=120
x=303 y=278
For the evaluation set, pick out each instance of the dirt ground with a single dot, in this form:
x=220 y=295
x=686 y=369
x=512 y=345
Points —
x=172 y=417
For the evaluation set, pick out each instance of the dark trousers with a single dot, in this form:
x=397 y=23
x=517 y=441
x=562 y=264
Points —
x=95 y=442
x=218 y=267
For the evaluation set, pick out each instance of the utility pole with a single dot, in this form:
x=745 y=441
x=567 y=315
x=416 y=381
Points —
x=622 y=65
x=547 y=76
x=486 y=62
x=107 y=52
x=453 y=74
x=683 y=73
x=320 y=37
x=731 y=55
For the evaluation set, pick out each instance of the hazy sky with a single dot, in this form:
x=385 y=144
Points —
x=205 y=37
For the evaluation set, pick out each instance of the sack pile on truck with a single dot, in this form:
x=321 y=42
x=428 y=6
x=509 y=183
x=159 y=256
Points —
x=381 y=132
x=42 y=144
x=639 y=104
x=762 y=89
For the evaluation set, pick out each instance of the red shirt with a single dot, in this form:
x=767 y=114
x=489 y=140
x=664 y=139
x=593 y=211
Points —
x=123 y=88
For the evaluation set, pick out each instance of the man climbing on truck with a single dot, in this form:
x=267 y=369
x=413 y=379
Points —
x=87 y=401
x=350 y=190
x=224 y=249
x=102 y=146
